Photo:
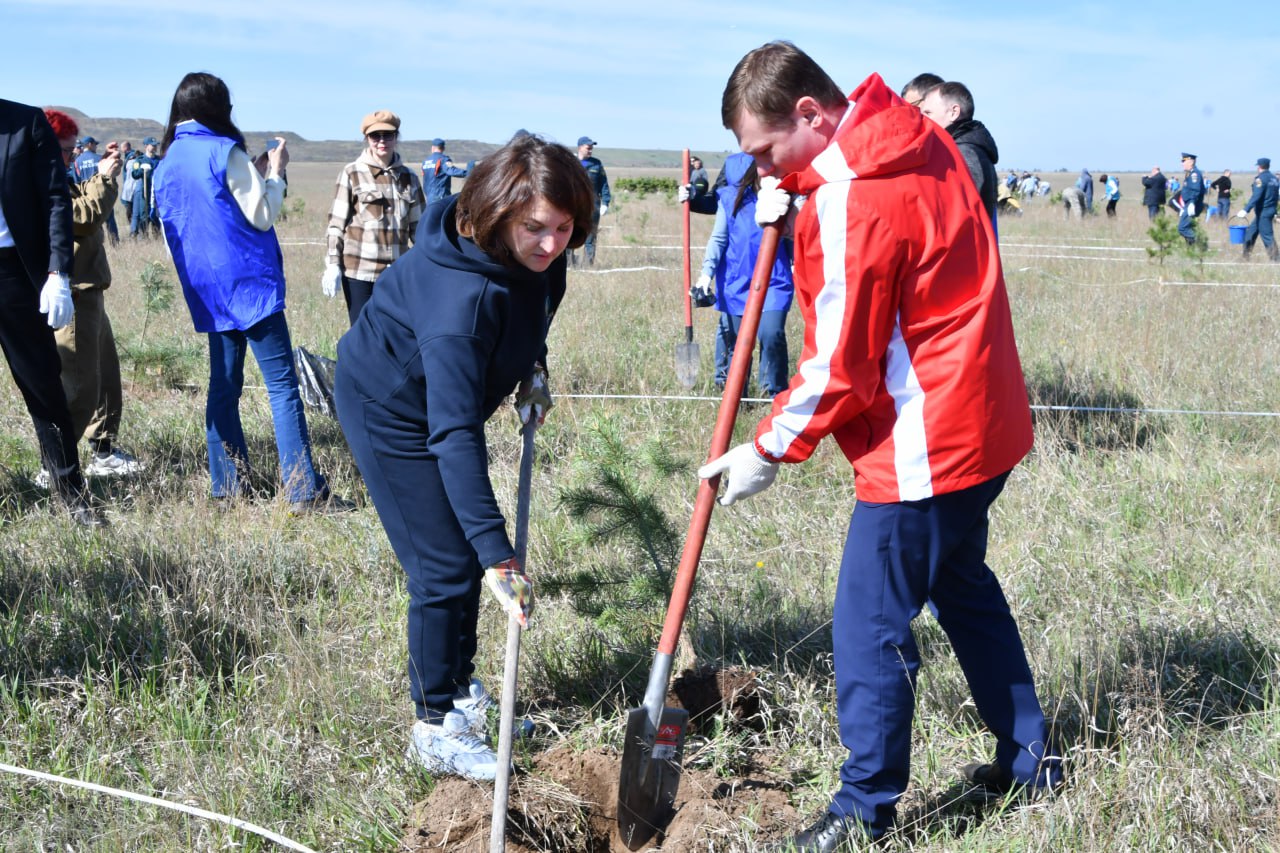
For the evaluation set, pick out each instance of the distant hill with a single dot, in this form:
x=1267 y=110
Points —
x=342 y=151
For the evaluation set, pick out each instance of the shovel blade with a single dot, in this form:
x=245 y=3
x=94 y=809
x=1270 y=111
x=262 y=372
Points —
x=650 y=774
x=687 y=358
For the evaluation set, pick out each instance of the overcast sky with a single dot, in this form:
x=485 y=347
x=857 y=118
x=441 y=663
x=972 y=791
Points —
x=1107 y=86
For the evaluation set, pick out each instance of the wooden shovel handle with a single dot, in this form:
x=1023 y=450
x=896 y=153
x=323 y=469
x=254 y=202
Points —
x=688 y=271
x=707 y=489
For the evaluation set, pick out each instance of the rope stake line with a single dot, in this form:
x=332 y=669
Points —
x=164 y=804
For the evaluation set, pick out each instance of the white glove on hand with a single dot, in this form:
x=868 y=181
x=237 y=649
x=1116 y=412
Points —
x=533 y=396
x=55 y=300
x=512 y=588
x=683 y=193
x=771 y=202
x=331 y=280
x=604 y=208
x=749 y=472
x=1243 y=214
x=1191 y=210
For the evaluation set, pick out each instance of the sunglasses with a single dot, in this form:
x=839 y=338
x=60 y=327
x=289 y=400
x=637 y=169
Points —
x=382 y=135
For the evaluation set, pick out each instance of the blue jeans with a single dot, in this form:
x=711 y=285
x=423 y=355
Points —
x=227 y=448
x=775 y=365
x=897 y=557
x=1224 y=206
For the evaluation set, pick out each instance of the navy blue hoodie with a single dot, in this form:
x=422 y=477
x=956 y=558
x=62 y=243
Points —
x=447 y=336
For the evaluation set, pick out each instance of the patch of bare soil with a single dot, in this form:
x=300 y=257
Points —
x=567 y=800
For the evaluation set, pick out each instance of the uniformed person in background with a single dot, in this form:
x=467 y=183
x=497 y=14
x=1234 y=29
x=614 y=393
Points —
x=1266 y=192
x=1192 y=197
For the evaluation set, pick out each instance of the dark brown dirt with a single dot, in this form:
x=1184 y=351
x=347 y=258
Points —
x=566 y=800
x=567 y=803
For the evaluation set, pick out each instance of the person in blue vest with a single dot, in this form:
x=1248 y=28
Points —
x=217 y=208
x=438 y=172
x=599 y=183
x=453 y=327
x=1192 y=197
x=1111 y=185
x=1266 y=193
x=730 y=259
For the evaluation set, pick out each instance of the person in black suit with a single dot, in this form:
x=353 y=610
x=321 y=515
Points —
x=35 y=265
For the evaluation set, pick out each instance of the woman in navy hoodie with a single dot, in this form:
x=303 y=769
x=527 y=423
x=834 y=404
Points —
x=453 y=326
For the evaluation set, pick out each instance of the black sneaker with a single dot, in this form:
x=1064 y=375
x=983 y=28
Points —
x=324 y=504
x=990 y=780
x=828 y=835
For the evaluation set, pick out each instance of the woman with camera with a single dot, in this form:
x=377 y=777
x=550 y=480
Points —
x=217 y=209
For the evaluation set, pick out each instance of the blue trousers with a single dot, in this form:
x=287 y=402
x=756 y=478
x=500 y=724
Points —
x=775 y=365
x=896 y=557
x=269 y=339
x=1263 y=225
x=388 y=439
x=1185 y=227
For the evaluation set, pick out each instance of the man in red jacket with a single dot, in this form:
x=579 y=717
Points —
x=909 y=361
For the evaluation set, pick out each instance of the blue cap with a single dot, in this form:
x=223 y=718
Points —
x=150 y=140
x=88 y=140
x=1264 y=162
x=438 y=142
x=1186 y=156
x=586 y=140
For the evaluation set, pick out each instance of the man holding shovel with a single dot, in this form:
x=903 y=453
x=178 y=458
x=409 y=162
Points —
x=910 y=363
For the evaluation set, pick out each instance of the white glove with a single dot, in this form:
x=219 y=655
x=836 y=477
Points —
x=771 y=202
x=703 y=292
x=55 y=300
x=331 y=280
x=749 y=472
x=533 y=396
x=682 y=193
x=604 y=208
x=1191 y=210
x=1242 y=214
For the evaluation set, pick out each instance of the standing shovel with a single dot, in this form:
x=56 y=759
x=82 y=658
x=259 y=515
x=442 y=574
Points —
x=654 y=742
x=687 y=353
x=510 y=667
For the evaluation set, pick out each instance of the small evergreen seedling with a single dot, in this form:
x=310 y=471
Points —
x=1165 y=235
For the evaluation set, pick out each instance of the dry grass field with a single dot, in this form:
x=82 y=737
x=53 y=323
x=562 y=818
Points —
x=252 y=664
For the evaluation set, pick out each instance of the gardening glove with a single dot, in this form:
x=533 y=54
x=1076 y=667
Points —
x=533 y=396
x=55 y=300
x=1191 y=210
x=331 y=280
x=771 y=201
x=1243 y=214
x=683 y=193
x=749 y=472
x=703 y=293
x=604 y=208
x=512 y=587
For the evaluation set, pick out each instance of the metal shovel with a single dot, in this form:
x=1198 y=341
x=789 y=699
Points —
x=654 y=742
x=511 y=665
x=687 y=353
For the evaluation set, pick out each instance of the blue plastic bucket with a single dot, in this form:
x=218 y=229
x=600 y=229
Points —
x=1237 y=234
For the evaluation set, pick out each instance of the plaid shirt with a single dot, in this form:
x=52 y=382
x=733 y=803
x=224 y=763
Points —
x=375 y=212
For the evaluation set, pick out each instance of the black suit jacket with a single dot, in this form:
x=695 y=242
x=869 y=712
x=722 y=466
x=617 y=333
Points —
x=33 y=191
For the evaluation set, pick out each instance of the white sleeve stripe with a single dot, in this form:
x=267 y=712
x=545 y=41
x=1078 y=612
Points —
x=910 y=445
x=829 y=309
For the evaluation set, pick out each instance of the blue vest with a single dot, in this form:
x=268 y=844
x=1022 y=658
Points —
x=738 y=261
x=232 y=274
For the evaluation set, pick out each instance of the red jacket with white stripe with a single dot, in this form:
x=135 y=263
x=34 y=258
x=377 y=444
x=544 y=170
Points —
x=909 y=358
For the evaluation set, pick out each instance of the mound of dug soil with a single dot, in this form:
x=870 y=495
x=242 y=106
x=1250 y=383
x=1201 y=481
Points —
x=567 y=802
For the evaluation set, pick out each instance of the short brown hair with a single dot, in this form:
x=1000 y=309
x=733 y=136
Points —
x=506 y=183
x=769 y=80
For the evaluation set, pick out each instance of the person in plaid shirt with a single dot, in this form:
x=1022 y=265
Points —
x=376 y=207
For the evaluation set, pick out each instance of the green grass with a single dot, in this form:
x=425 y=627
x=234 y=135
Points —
x=251 y=663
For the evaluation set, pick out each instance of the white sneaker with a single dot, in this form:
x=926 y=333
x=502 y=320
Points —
x=43 y=479
x=117 y=463
x=451 y=748
x=475 y=702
